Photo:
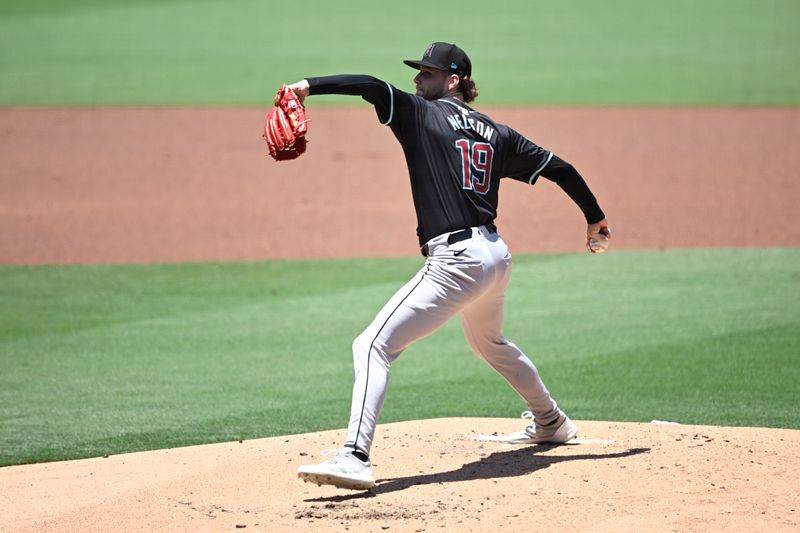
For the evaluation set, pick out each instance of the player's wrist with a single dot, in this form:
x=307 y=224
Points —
x=301 y=88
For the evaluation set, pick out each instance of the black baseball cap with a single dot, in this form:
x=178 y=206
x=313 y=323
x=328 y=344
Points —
x=444 y=56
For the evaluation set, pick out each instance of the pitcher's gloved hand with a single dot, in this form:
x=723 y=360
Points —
x=286 y=126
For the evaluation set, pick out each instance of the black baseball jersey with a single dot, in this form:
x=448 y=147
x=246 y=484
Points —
x=456 y=156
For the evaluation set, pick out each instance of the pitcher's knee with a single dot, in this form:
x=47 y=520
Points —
x=487 y=345
x=495 y=350
x=361 y=346
x=368 y=344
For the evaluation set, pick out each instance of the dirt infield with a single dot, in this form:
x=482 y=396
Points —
x=154 y=185
x=144 y=185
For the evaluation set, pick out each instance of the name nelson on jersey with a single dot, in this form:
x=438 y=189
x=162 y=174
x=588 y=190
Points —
x=467 y=123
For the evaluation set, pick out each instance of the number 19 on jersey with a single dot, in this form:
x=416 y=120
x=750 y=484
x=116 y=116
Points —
x=476 y=164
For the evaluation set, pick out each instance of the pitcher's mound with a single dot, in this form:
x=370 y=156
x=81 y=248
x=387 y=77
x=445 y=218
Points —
x=432 y=475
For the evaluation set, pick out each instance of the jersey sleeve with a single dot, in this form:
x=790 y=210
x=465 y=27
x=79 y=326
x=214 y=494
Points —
x=528 y=161
x=572 y=183
x=386 y=98
x=525 y=160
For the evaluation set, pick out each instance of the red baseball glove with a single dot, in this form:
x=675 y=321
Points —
x=286 y=126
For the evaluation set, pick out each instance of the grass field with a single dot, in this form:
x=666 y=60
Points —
x=237 y=52
x=108 y=359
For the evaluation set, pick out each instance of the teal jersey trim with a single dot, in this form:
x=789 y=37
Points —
x=391 y=105
x=541 y=167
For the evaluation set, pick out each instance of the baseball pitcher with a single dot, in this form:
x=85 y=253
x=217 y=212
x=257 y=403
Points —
x=456 y=157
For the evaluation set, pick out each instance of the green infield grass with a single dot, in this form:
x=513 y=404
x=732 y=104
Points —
x=102 y=360
x=237 y=52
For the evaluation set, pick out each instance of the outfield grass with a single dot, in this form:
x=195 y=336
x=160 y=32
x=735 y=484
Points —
x=108 y=359
x=223 y=52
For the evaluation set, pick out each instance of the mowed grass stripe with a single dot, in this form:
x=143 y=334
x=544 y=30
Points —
x=237 y=52
x=110 y=359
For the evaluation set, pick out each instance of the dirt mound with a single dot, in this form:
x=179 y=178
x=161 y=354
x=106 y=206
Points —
x=431 y=475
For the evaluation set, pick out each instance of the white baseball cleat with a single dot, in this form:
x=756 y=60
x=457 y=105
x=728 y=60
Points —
x=561 y=431
x=558 y=432
x=344 y=471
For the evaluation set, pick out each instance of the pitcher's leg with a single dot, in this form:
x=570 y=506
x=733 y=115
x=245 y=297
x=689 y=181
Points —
x=418 y=309
x=482 y=322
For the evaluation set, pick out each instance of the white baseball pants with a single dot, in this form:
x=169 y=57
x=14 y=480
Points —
x=467 y=277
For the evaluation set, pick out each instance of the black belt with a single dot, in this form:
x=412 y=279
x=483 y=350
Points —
x=458 y=236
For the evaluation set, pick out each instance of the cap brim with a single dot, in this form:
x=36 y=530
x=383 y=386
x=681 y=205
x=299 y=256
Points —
x=417 y=64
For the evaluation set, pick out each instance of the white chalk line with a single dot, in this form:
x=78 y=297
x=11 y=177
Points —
x=516 y=439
